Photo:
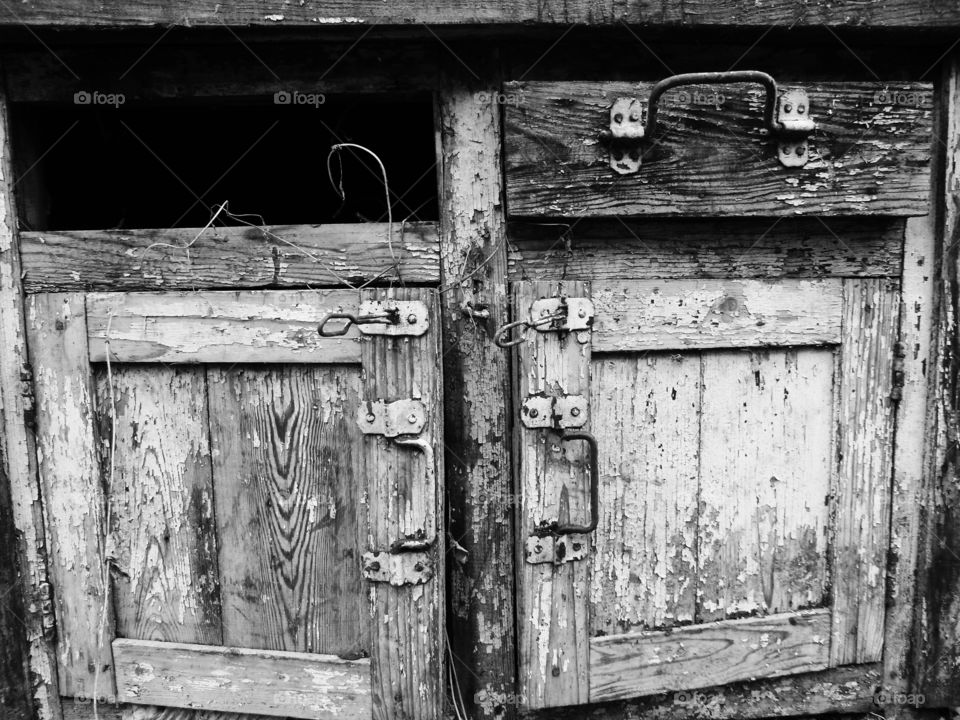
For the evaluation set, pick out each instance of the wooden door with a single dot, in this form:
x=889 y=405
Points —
x=744 y=431
x=225 y=528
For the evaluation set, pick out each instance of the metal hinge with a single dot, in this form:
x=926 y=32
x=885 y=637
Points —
x=557 y=314
x=401 y=417
x=898 y=374
x=411 y=568
x=382 y=317
x=556 y=549
x=559 y=412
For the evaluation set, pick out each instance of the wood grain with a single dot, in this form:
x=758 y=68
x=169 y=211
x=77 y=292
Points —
x=692 y=248
x=407 y=622
x=641 y=315
x=894 y=14
x=647 y=410
x=229 y=257
x=766 y=455
x=554 y=486
x=241 y=680
x=476 y=395
x=287 y=482
x=862 y=495
x=706 y=655
x=868 y=157
x=271 y=326
x=18 y=450
x=163 y=534
x=73 y=494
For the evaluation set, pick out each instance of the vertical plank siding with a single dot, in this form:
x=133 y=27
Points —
x=287 y=483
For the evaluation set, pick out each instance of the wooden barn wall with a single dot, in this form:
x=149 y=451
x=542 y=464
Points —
x=478 y=256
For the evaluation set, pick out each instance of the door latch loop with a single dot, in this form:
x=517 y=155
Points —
x=555 y=527
x=557 y=314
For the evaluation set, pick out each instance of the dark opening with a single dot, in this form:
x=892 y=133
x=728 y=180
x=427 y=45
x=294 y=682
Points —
x=98 y=166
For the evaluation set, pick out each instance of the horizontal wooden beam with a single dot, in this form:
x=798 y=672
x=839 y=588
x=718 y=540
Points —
x=712 y=156
x=261 y=682
x=701 y=656
x=230 y=257
x=349 y=13
x=716 y=248
x=639 y=315
x=270 y=326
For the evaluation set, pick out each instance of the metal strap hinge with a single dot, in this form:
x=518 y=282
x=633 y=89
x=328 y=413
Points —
x=560 y=412
x=556 y=549
x=409 y=568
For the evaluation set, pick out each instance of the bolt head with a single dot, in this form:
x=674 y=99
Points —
x=582 y=313
x=801 y=109
x=418 y=567
x=371 y=418
x=412 y=418
x=575 y=412
x=801 y=149
x=534 y=413
x=634 y=117
x=618 y=118
x=412 y=319
x=787 y=107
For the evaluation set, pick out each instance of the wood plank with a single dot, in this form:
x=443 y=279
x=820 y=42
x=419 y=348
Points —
x=694 y=248
x=707 y=655
x=765 y=471
x=868 y=157
x=163 y=540
x=641 y=315
x=229 y=257
x=274 y=683
x=18 y=450
x=476 y=397
x=844 y=13
x=287 y=483
x=861 y=497
x=271 y=326
x=407 y=622
x=76 y=509
x=646 y=409
x=554 y=485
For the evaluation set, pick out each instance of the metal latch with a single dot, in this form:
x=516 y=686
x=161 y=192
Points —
x=401 y=417
x=558 y=314
x=786 y=117
x=560 y=412
x=398 y=569
x=556 y=550
x=381 y=317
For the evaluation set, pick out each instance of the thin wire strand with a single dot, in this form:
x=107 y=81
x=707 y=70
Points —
x=222 y=208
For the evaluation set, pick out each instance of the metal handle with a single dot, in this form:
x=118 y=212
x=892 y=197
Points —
x=390 y=316
x=555 y=528
x=421 y=540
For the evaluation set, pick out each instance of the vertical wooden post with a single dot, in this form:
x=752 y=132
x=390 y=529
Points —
x=476 y=387
x=17 y=446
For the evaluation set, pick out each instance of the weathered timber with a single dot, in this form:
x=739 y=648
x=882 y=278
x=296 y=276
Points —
x=647 y=315
x=18 y=450
x=554 y=486
x=765 y=470
x=861 y=496
x=713 y=654
x=695 y=248
x=646 y=409
x=74 y=501
x=270 y=326
x=476 y=386
x=229 y=257
x=406 y=622
x=274 y=683
x=868 y=156
x=163 y=539
x=114 y=13
x=287 y=483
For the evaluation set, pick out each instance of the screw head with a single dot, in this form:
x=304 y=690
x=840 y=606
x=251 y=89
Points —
x=412 y=418
x=801 y=149
x=412 y=319
x=787 y=107
x=575 y=412
x=374 y=566
x=801 y=109
x=371 y=418
x=418 y=567
x=582 y=313
x=618 y=118
x=784 y=150
x=534 y=413
x=634 y=117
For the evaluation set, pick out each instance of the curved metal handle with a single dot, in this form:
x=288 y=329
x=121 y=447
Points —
x=390 y=316
x=555 y=527
x=715 y=78
x=422 y=539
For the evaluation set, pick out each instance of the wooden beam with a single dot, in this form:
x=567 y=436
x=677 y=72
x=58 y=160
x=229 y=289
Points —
x=638 y=315
x=869 y=156
x=261 y=682
x=229 y=257
x=706 y=655
x=348 y=13
x=476 y=391
x=18 y=449
x=271 y=326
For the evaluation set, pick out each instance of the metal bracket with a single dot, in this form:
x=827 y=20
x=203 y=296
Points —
x=382 y=317
x=561 y=314
x=565 y=411
x=793 y=116
x=626 y=131
x=401 y=417
x=403 y=569
x=557 y=549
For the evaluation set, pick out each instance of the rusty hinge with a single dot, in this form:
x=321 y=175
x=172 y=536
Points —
x=898 y=374
x=558 y=412
x=382 y=317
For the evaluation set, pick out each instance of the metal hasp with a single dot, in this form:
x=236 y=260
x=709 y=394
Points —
x=786 y=117
x=407 y=560
x=558 y=314
x=381 y=317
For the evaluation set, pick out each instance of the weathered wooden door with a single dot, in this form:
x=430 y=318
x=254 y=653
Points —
x=704 y=407
x=239 y=520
